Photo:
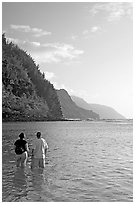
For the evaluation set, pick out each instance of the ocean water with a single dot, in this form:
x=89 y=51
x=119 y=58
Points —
x=86 y=161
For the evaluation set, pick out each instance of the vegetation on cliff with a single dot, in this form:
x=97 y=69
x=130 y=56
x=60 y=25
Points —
x=71 y=111
x=26 y=94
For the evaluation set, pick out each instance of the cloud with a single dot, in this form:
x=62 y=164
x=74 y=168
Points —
x=113 y=11
x=59 y=86
x=49 y=75
x=15 y=40
x=85 y=32
x=27 y=29
x=49 y=52
x=36 y=44
x=21 y=28
x=95 y=29
x=23 y=43
x=74 y=37
x=52 y=78
x=56 y=52
x=62 y=86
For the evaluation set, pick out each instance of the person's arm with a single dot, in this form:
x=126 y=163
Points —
x=46 y=148
x=26 y=147
x=45 y=151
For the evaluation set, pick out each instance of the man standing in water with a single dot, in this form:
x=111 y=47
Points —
x=39 y=149
x=21 y=150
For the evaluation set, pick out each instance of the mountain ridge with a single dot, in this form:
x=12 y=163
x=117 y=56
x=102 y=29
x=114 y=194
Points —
x=105 y=112
x=71 y=111
x=27 y=95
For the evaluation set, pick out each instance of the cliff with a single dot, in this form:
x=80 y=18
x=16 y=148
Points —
x=26 y=94
x=71 y=111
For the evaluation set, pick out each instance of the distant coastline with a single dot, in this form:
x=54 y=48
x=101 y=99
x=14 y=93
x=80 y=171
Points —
x=71 y=119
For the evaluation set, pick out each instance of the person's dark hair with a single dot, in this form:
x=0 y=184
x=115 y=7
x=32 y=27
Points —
x=38 y=134
x=21 y=135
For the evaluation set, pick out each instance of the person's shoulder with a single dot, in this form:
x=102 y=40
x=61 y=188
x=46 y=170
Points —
x=43 y=140
x=16 y=142
x=24 y=141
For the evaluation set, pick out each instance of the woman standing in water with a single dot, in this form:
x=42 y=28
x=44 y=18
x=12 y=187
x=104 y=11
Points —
x=21 y=150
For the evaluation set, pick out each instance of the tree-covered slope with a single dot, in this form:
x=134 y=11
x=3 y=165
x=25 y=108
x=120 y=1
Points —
x=26 y=94
x=71 y=110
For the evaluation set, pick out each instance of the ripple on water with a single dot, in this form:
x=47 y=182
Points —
x=85 y=162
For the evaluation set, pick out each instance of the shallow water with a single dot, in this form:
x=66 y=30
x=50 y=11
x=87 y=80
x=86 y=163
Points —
x=86 y=161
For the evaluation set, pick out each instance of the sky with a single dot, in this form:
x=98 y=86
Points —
x=84 y=47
